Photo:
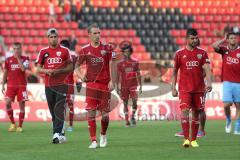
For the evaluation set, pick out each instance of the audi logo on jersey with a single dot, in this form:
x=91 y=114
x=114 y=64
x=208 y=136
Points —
x=192 y=63
x=232 y=60
x=56 y=60
x=97 y=60
x=14 y=66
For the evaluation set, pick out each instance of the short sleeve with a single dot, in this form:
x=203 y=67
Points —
x=39 y=59
x=68 y=56
x=81 y=56
x=205 y=58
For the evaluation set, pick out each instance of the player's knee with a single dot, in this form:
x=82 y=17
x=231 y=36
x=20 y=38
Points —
x=134 y=103
x=105 y=118
x=8 y=104
x=227 y=105
x=184 y=106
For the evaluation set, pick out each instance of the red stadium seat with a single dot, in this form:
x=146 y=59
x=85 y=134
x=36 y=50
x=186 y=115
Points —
x=175 y=33
x=9 y=40
x=35 y=18
x=24 y=32
x=17 y=17
x=27 y=40
x=10 y=25
x=37 y=40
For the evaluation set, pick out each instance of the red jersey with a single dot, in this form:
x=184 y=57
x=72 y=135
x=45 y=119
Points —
x=97 y=62
x=230 y=64
x=128 y=72
x=192 y=74
x=70 y=79
x=54 y=58
x=15 y=75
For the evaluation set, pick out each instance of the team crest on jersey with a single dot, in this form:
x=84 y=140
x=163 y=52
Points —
x=184 y=56
x=238 y=55
x=59 y=53
x=89 y=53
x=103 y=52
x=199 y=56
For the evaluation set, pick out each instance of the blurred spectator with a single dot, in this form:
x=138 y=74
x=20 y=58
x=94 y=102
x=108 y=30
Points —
x=52 y=14
x=79 y=7
x=73 y=42
x=60 y=3
x=73 y=10
x=66 y=10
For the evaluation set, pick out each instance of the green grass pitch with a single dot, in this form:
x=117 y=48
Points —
x=147 y=141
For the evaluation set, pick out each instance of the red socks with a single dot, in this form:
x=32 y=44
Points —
x=104 y=125
x=21 y=118
x=10 y=115
x=92 y=129
x=71 y=114
x=194 y=126
x=185 y=127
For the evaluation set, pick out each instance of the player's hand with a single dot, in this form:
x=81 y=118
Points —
x=208 y=88
x=111 y=86
x=49 y=72
x=174 y=92
x=3 y=89
x=140 y=90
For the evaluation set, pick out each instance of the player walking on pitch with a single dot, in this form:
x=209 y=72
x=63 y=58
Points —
x=14 y=76
x=193 y=64
x=55 y=62
x=230 y=77
x=98 y=78
x=129 y=73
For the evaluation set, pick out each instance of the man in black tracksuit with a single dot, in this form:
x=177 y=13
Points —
x=55 y=62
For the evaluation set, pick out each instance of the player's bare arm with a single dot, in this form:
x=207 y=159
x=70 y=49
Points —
x=139 y=81
x=20 y=62
x=4 y=80
x=117 y=82
x=66 y=69
x=40 y=69
x=216 y=45
x=207 y=70
x=174 y=82
x=78 y=70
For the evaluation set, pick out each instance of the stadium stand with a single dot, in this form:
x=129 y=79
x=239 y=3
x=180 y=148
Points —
x=156 y=28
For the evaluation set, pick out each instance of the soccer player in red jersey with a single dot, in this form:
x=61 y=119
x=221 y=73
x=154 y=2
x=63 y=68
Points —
x=97 y=57
x=70 y=82
x=129 y=73
x=193 y=64
x=202 y=118
x=230 y=77
x=15 y=66
x=55 y=62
